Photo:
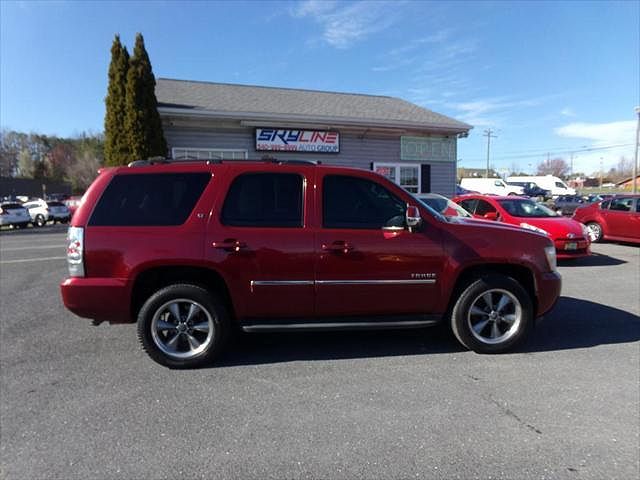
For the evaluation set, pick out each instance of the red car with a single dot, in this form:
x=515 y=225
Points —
x=196 y=250
x=617 y=218
x=570 y=238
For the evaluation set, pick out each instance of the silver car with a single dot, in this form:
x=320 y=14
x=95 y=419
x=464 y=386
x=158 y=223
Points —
x=14 y=215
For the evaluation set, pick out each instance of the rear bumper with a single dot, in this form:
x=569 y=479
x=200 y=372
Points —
x=548 y=290
x=103 y=299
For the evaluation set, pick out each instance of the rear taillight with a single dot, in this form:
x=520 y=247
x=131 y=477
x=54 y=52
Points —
x=75 y=251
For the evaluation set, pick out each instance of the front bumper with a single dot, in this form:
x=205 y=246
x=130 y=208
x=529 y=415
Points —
x=102 y=299
x=572 y=248
x=549 y=286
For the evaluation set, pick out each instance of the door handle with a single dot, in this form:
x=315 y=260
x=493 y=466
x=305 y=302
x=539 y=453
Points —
x=230 y=245
x=339 y=246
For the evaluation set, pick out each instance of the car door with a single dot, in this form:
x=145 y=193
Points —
x=619 y=217
x=260 y=242
x=367 y=262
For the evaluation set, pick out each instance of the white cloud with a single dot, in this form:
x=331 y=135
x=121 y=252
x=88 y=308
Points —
x=488 y=112
x=345 y=24
x=567 y=112
x=619 y=135
x=600 y=133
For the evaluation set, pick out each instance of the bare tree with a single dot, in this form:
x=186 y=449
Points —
x=556 y=166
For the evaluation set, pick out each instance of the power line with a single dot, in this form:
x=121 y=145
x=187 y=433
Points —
x=555 y=152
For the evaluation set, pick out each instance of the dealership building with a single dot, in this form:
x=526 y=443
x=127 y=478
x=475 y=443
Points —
x=411 y=145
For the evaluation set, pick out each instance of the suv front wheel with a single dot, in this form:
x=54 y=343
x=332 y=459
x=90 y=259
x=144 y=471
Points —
x=182 y=326
x=492 y=315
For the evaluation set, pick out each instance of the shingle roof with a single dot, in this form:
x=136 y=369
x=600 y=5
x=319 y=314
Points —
x=289 y=102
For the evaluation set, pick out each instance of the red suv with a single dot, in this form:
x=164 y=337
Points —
x=192 y=250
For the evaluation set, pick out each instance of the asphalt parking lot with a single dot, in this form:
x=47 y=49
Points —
x=78 y=401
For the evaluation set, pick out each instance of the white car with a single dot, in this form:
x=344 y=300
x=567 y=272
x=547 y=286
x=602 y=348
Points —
x=38 y=211
x=492 y=186
x=58 y=212
x=14 y=215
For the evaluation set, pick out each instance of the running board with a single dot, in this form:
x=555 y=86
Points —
x=309 y=325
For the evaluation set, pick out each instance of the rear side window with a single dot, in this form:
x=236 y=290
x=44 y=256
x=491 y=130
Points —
x=264 y=200
x=150 y=199
x=484 y=207
x=469 y=205
x=55 y=204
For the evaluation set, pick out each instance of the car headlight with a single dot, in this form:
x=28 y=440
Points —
x=552 y=260
x=534 y=228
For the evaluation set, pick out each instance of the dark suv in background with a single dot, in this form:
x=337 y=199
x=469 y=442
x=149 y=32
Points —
x=531 y=189
x=194 y=250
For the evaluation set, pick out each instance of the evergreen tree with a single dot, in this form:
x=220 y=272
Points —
x=116 y=146
x=142 y=121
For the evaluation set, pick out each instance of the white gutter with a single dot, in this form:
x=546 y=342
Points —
x=255 y=118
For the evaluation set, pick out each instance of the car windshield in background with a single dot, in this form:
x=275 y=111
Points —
x=526 y=208
x=444 y=206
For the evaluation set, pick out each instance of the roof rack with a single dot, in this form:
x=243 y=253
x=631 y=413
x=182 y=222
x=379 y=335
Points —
x=294 y=162
x=162 y=161
x=149 y=161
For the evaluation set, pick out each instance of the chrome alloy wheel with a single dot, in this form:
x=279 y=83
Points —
x=494 y=316
x=595 y=231
x=182 y=328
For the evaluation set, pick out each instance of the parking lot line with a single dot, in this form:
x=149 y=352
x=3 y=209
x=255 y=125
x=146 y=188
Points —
x=31 y=248
x=24 y=260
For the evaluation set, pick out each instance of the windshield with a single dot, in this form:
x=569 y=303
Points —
x=526 y=208
x=445 y=206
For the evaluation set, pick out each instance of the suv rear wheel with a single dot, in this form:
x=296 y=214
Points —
x=492 y=315
x=182 y=326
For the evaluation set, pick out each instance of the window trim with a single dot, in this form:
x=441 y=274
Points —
x=396 y=180
x=303 y=196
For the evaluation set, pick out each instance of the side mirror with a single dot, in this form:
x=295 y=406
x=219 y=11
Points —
x=412 y=217
x=491 y=215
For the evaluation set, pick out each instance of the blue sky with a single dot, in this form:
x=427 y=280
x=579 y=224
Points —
x=546 y=76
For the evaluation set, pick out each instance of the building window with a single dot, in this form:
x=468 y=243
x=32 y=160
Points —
x=406 y=175
x=186 y=153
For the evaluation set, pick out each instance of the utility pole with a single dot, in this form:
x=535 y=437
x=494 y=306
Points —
x=489 y=134
x=571 y=166
x=600 y=172
x=635 y=158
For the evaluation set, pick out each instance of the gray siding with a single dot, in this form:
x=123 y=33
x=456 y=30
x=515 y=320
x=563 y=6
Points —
x=355 y=150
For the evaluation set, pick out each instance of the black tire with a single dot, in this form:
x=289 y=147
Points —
x=595 y=231
x=159 y=310
x=476 y=330
x=39 y=221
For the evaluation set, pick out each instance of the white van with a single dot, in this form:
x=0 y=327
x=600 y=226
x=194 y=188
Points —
x=548 y=182
x=494 y=186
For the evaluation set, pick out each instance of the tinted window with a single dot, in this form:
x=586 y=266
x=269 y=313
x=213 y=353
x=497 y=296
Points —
x=8 y=206
x=621 y=204
x=638 y=205
x=469 y=205
x=55 y=204
x=484 y=207
x=351 y=202
x=605 y=205
x=264 y=200
x=149 y=199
